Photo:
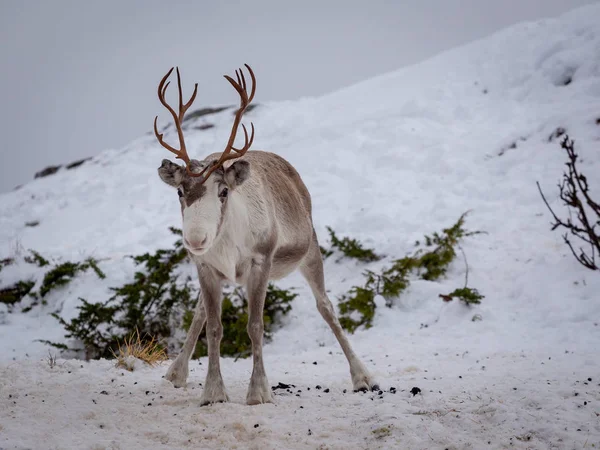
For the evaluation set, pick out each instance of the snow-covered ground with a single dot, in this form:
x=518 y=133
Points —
x=386 y=161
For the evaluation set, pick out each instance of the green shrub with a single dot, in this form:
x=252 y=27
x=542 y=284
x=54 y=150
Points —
x=58 y=276
x=325 y=252
x=15 y=293
x=157 y=301
x=5 y=262
x=434 y=263
x=469 y=296
x=357 y=308
x=144 y=305
x=93 y=264
x=36 y=259
x=351 y=248
x=234 y=317
x=88 y=327
x=62 y=274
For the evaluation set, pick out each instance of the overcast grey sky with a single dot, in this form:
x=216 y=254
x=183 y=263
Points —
x=80 y=76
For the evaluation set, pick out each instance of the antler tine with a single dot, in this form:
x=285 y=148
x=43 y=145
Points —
x=162 y=88
x=177 y=118
x=247 y=145
x=184 y=107
x=163 y=91
x=242 y=82
x=237 y=75
x=179 y=91
x=241 y=88
x=159 y=136
x=253 y=83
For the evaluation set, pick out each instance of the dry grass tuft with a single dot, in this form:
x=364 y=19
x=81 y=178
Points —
x=134 y=347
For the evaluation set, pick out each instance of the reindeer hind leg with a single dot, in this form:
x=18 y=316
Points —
x=312 y=270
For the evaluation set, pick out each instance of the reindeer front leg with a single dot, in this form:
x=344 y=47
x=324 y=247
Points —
x=214 y=388
x=178 y=372
x=258 y=390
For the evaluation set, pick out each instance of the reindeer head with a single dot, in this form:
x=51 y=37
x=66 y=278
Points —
x=204 y=187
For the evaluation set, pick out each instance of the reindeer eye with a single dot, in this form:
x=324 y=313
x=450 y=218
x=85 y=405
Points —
x=179 y=192
x=224 y=193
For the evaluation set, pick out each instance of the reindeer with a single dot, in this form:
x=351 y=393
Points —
x=247 y=219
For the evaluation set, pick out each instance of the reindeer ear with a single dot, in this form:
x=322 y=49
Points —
x=171 y=173
x=237 y=173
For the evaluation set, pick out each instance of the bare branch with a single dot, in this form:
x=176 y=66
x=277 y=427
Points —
x=573 y=186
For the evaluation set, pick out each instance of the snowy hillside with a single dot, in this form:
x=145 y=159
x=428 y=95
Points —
x=386 y=161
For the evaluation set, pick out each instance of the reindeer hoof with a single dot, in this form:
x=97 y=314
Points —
x=209 y=400
x=214 y=391
x=258 y=399
x=364 y=383
x=259 y=392
x=177 y=374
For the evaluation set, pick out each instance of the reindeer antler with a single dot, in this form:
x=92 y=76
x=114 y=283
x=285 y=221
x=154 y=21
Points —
x=241 y=88
x=178 y=118
x=245 y=99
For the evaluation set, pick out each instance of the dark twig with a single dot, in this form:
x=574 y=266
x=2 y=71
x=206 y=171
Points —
x=572 y=189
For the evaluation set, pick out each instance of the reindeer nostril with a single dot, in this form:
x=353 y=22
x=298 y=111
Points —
x=195 y=244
